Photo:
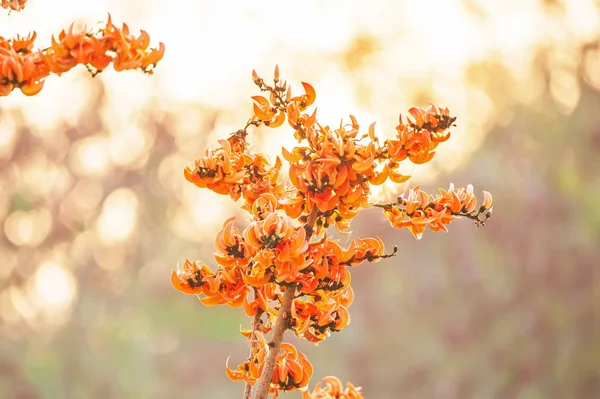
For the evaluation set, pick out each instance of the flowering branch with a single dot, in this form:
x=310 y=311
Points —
x=417 y=210
x=300 y=277
x=13 y=5
x=26 y=68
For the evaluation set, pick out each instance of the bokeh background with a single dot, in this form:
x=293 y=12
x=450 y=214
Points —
x=95 y=212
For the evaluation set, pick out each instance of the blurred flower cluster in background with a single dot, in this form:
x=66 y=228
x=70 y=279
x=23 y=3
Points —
x=95 y=211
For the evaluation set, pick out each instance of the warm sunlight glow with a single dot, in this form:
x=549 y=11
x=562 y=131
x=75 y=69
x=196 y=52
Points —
x=91 y=155
x=8 y=134
x=54 y=286
x=128 y=147
x=119 y=215
x=432 y=62
x=226 y=146
x=28 y=228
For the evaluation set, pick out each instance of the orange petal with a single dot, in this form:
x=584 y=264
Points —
x=379 y=178
x=487 y=200
x=397 y=177
x=417 y=113
x=212 y=301
x=311 y=95
x=278 y=121
x=293 y=156
x=261 y=101
x=261 y=113
x=32 y=89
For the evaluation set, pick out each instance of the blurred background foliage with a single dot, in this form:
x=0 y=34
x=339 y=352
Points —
x=95 y=212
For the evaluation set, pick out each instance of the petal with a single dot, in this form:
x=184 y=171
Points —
x=311 y=95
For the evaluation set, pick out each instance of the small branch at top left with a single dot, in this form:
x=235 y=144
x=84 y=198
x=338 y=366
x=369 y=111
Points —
x=24 y=67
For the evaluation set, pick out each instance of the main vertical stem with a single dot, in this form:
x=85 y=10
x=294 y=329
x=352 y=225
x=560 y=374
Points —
x=262 y=386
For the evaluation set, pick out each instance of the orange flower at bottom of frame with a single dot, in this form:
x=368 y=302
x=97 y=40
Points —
x=333 y=389
x=292 y=370
x=16 y=5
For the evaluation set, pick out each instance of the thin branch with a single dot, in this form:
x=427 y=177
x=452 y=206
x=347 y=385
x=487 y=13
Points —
x=479 y=216
x=255 y=325
x=369 y=257
x=262 y=387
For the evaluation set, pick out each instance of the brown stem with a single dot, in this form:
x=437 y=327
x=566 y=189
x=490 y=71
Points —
x=255 y=323
x=248 y=391
x=310 y=223
x=262 y=386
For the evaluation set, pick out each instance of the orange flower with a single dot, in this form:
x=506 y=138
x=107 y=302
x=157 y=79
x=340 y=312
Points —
x=262 y=178
x=419 y=209
x=333 y=173
x=292 y=369
x=333 y=390
x=323 y=312
x=263 y=109
x=417 y=140
x=222 y=170
x=13 y=5
x=371 y=249
x=225 y=286
x=232 y=249
x=250 y=370
x=305 y=100
x=434 y=120
x=272 y=111
x=280 y=249
x=23 y=45
x=231 y=169
x=190 y=279
x=264 y=205
x=269 y=232
x=325 y=270
x=300 y=277
x=262 y=295
x=20 y=67
x=25 y=68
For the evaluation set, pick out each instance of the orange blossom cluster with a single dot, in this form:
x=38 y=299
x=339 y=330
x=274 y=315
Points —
x=26 y=68
x=333 y=389
x=332 y=169
x=232 y=170
x=270 y=255
x=13 y=5
x=285 y=245
x=292 y=371
x=417 y=210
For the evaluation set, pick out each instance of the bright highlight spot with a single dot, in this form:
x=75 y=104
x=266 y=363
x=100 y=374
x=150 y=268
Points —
x=119 y=216
x=55 y=286
x=90 y=155
x=128 y=145
x=207 y=210
x=28 y=228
